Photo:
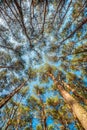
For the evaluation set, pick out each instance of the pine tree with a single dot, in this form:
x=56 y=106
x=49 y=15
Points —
x=37 y=37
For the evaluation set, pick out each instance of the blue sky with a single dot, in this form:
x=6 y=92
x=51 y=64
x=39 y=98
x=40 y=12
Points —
x=30 y=57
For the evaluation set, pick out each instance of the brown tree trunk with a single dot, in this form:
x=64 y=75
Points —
x=58 y=6
x=22 y=20
x=44 y=119
x=73 y=32
x=7 y=67
x=7 y=98
x=45 y=5
x=75 y=93
x=77 y=109
x=61 y=22
x=8 y=124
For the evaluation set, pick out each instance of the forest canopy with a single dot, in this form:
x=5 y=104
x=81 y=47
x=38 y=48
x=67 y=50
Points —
x=43 y=64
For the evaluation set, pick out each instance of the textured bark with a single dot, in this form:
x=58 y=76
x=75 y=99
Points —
x=75 y=93
x=84 y=21
x=22 y=20
x=16 y=90
x=77 y=109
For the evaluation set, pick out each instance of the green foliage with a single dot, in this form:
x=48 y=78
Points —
x=77 y=7
x=43 y=78
x=70 y=76
x=39 y=90
x=50 y=127
x=26 y=128
x=81 y=48
x=54 y=87
x=3 y=74
x=31 y=52
x=24 y=91
x=15 y=80
x=39 y=127
x=32 y=73
x=53 y=101
x=52 y=58
x=4 y=58
x=33 y=102
x=18 y=65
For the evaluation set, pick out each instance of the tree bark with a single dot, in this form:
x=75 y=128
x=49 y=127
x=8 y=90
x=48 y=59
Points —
x=75 y=93
x=44 y=118
x=77 y=109
x=16 y=90
x=22 y=20
x=74 y=31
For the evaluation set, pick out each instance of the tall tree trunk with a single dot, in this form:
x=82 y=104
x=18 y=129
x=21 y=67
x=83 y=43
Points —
x=44 y=118
x=58 y=6
x=45 y=5
x=77 y=109
x=45 y=126
x=62 y=20
x=84 y=21
x=8 y=124
x=16 y=90
x=22 y=20
x=75 y=93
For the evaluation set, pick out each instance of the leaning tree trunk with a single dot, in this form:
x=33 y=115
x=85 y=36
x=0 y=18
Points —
x=16 y=90
x=77 y=109
x=81 y=98
x=84 y=21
